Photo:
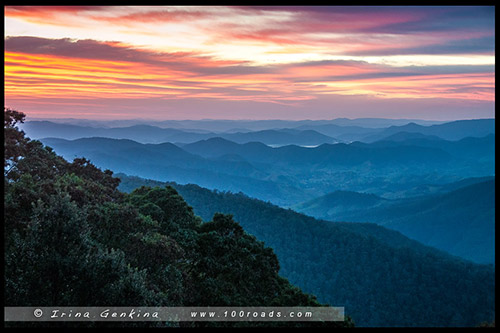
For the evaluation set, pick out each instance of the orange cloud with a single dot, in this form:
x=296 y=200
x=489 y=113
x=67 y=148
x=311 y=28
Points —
x=473 y=86
x=85 y=71
x=42 y=76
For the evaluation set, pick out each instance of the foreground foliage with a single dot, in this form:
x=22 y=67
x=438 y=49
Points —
x=73 y=239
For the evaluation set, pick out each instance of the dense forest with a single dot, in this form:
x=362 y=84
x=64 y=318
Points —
x=380 y=276
x=73 y=239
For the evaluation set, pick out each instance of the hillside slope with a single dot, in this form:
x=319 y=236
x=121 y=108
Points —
x=381 y=277
x=460 y=220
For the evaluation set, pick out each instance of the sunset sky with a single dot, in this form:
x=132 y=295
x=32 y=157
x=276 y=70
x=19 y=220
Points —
x=250 y=62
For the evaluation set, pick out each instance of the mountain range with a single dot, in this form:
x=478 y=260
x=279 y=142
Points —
x=232 y=125
x=291 y=174
x=154 y=134
x=401 y=214
x=269 y=132
x=454 y=130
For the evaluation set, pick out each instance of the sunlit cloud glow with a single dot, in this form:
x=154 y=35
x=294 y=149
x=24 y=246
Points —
x=274 y=57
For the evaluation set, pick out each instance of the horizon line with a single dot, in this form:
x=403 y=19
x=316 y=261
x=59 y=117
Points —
x=246 y=119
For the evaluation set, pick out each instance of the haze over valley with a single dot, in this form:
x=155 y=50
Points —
x=442 y=174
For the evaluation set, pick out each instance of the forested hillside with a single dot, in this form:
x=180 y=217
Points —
x=71 y=238
x=381 y=277
x=461 y=221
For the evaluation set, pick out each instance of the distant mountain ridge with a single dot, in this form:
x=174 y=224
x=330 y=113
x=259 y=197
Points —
x=154 y=134
x=452 y=131
x=227 y=125
x=305 y=133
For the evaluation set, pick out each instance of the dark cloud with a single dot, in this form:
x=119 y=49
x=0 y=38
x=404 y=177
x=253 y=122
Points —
x=482 y=45
x=86 y=48
x=404 y=72
x=423 y=18
x=455 y=29
x=114 y=51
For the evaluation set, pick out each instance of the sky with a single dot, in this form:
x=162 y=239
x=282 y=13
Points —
x=213 y=62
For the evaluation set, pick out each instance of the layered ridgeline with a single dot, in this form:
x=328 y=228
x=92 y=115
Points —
x=168 y=162
x=459 y=220
x=306 y=132
x=381 y=277
x=232 y=126
x=291 y=174
x=154 y=134
x=453 y=131
x=71 y=238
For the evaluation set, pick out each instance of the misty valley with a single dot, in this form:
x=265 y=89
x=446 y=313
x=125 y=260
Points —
x=364 y=213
